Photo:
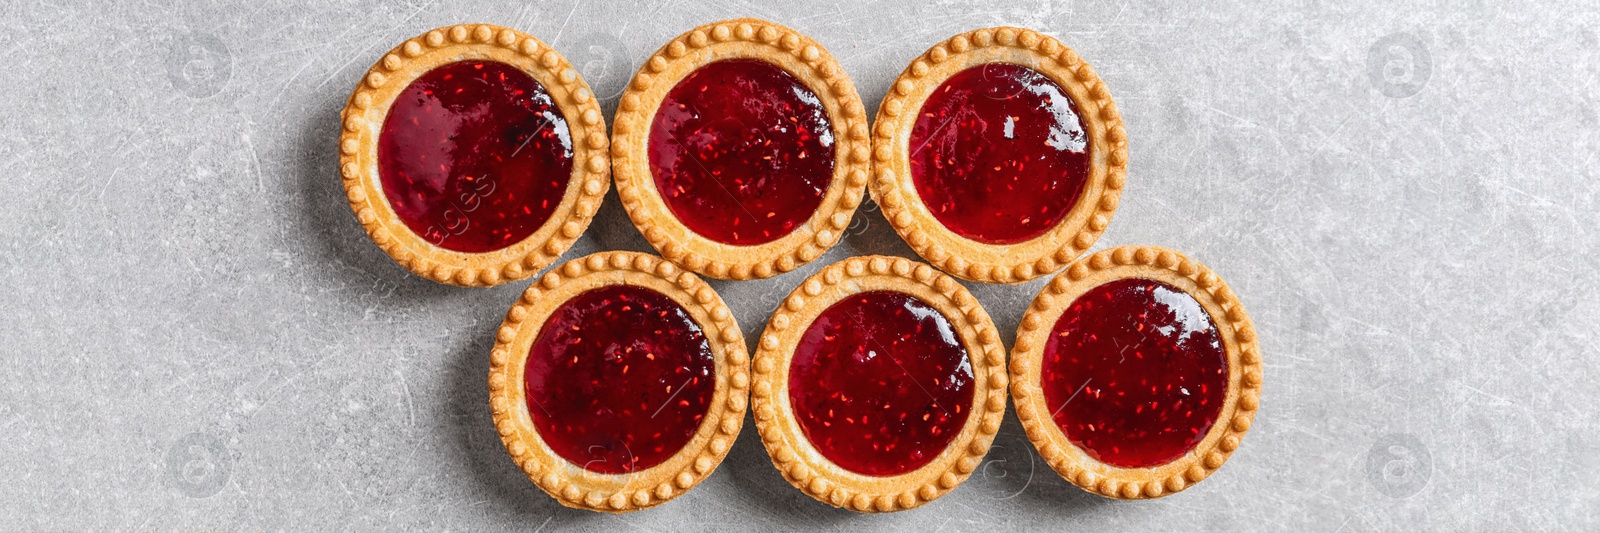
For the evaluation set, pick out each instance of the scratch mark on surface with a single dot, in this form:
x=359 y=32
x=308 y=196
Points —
x=975 y=510
x=1242 y=121
x=1373 y=327
x=255 y=162
x=564 y=23
x=522 y=16
x=623 y=30
x=375 y=43
x=405 y=388
x=1502 y=401
x=274 y=104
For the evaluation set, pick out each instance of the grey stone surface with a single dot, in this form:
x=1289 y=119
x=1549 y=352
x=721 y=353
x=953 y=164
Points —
x=196 y=334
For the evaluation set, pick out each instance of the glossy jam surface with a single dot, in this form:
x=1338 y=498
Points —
x=619 y=379
x=474 y=156
x=998 y=153
x=1135 y=373
x=880 y=383
x=742 y=152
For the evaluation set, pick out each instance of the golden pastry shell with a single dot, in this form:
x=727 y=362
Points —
x=362 y=122
x=1233 y=326
x=892 y=185
x=796 y=54
x=792 y=453
x=571 y=484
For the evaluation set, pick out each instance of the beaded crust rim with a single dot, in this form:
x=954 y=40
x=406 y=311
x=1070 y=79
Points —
x=780 y=46
x=893 y=189
x=570 y=484
x=1244 y=376
x=794 y=456
x=362 y=122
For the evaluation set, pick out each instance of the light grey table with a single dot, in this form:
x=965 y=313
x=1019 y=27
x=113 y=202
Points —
x=197 y=334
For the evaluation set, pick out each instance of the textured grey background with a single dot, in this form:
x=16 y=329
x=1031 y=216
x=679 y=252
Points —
x=197 y=335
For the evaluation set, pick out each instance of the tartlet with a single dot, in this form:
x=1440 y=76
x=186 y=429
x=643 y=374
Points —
x=618 y=381
x=999 y=155
x=740 y=149
x=879 y=384
x=1173 y=326
x=473 y=154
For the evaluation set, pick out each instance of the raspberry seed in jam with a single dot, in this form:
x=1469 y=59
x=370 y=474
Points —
x=1135 y=373
x=880 y=384
x=742 y=152
x=619 y=379
x=474 y=156
x=998 y=153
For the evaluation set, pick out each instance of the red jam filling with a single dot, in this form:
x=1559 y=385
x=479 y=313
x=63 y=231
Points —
x=474 y=156
x=1135 y=373
x=998 y=153
x=619 y=379
x=741 y=151
x=880 y=384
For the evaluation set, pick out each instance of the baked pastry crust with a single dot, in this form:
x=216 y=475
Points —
x=1233 y=326
x=796 y=54
x=363 y=118
x=571 y=484
x=790 y=450
x=893 y=188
